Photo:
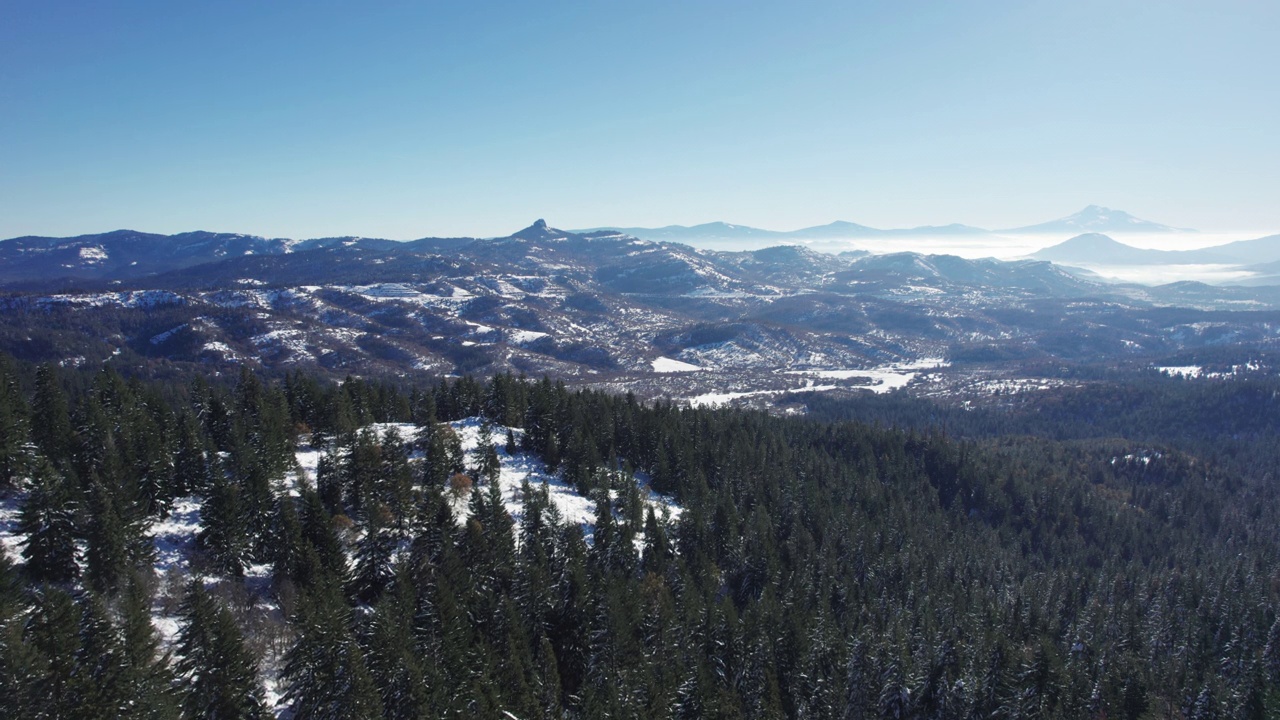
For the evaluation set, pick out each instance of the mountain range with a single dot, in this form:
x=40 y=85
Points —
x=602 y=307
x=1091 y=219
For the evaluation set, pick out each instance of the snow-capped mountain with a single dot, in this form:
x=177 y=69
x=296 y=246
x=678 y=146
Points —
x=1097 y=219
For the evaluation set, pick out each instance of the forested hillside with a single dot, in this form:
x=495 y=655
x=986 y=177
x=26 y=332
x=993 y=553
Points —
x=876 y=559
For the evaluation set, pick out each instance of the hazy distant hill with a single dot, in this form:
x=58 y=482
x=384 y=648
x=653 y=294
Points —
x=841 y=229
x=1098 y=249
x=1092 y=219
x=695 y=233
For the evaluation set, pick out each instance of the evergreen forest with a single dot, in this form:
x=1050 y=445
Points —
x=1107 y=551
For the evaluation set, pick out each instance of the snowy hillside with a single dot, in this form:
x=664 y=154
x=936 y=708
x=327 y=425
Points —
x=175 y=536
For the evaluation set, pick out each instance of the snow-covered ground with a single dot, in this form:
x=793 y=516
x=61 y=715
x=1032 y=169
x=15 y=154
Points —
x=887 y=378
x=515 y=469
x=175 y=535
x=1198 y=371
x=884 y=379
x=1188 y=371
x=10 y=541
x=718 y=399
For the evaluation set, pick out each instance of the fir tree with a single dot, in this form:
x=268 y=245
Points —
x=318 y=530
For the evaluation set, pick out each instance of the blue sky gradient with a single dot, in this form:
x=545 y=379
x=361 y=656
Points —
x=409 y=119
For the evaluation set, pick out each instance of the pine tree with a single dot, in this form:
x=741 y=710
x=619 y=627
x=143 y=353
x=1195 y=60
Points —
x=318 y=530
x=51 y=419
x=217 y=674
x=394 y=487
x=53 y=635
x=373 y=571
x=98 y=688
x=223 y=533
x=289 y=547
x=146 y=677
x=330 y=476
x=47 y=522
x=490 y=466
x=19 y=663
x=393 y=663
x=547 y=689
x=1271 y=653
x=108 y=560
x=361 y=474
x=13 y=426
x=444 y=456
x=325 y=670
x=191 y=471
x=657 y=546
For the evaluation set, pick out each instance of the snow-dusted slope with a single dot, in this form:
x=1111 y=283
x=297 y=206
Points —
x=175 y=535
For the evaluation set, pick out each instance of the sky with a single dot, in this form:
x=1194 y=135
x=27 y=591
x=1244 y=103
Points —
x=413 y=119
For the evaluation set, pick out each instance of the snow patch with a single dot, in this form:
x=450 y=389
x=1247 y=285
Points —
x=10 y=540
x=573 y=507
x=1183 y=371
x=175 y=535
x=887 y=378
x=161 y=337
x=668 y=365
x=92 y=254
x=520 y=337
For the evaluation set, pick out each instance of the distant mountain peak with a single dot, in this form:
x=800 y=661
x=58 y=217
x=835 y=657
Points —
x=1098 y=219
x=1094 y=248
x=1091 y=240
x=540 y=230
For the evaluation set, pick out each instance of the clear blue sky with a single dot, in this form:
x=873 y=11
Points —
x=407 y=119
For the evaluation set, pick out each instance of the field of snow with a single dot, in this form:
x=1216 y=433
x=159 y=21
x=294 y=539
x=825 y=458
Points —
x=719 y=399
x=886 y=378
